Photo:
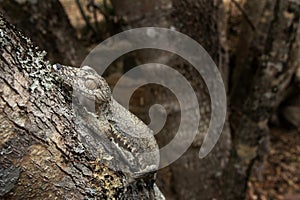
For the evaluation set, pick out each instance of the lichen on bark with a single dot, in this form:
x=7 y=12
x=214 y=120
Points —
x=42 y=156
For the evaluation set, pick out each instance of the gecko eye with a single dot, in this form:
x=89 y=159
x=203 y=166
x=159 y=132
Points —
x=90 y=84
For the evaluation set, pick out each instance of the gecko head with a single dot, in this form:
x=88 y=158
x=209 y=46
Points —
x=90 y=88
x=93 y=85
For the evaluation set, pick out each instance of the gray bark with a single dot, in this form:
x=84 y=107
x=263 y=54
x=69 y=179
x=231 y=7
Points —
x=273 y=63
x=42 y=153
x=188 y=177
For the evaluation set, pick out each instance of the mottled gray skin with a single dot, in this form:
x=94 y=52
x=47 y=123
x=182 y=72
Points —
x=126 y=144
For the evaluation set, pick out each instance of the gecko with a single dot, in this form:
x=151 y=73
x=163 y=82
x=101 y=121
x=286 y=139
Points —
x=125 y=142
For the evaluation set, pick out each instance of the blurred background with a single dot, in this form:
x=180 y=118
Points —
x=254 y=43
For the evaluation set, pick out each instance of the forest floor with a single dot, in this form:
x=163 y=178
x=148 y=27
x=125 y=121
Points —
x=281 y=174
x=280 y=178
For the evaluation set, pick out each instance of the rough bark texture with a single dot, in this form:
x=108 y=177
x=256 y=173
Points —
x=42 y=153
x=188 y=177
x=243 y=73
x=251 y=44
x=273 y=63
x=289 y=109
x=48 y=26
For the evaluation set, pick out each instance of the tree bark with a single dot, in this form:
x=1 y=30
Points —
x=274 y=63
x=188 y=177
x=48 y=26
x=242 y=72
x=42 y=154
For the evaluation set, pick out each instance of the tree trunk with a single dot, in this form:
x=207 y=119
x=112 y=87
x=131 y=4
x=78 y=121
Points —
x=188 y=177
x=43 y=152
x=273 y=64
x=48 y=26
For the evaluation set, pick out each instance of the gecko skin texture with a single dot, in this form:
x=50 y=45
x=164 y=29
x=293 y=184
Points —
x=123 y=136
x=110 y=132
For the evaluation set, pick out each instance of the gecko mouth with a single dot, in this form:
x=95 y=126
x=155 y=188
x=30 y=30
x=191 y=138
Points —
x=120 y=138
x=86 y=100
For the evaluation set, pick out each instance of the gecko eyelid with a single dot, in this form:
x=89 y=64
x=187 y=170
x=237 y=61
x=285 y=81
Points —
x=88 y=68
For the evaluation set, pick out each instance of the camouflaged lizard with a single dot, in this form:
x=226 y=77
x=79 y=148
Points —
x=119 y=138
